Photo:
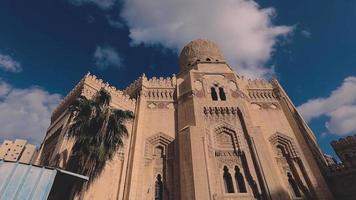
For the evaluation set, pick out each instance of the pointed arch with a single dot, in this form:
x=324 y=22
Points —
x=229 y=186
x=158 y=187
x=226 y=137
x=158 y=153
x=214 y=94
x=296 y=175
x=159 y=140
x=279 y=140
x=293 y=184
x=222 y=94
x=240 y=181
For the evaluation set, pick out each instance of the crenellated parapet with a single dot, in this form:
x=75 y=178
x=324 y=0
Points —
x=259 y=84
x=135 y=87
x=261 y=91
x=153 y=88
x=345 y=148
x=160 y=82
x=338 y=167
x=119 y=98
x=343 y=143
x=71 y=96
x=88 y=86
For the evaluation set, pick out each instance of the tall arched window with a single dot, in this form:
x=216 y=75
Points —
x=294 y=185
x=214 y=95
x=222 y=94
x=159 y=188
x=229 y=186
x=240 y=180
x=159 y=151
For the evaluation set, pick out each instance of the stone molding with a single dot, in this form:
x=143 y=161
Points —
x=233 y=111
x=158 y=94
x=262 y=95
x=160 y=105
x=285 y=141
x=266 y=105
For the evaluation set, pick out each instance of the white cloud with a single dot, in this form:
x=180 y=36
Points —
x=4 y=88
x=305 y=33
x=243 y=30
x=339 y=107
x=103 y=4
x=107 y=57
x=114 y=22
x=25 y=113
x=7 y=63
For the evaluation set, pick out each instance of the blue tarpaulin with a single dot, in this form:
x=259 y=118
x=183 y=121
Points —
x=29 y=182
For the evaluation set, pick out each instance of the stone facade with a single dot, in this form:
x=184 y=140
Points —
x=205 y=133
x=18 y=150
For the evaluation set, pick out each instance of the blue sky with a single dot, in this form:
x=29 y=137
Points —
x=47 y=46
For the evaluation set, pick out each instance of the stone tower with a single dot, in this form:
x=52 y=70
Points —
x=345 y=148
x=342 y=176
x=206 y=133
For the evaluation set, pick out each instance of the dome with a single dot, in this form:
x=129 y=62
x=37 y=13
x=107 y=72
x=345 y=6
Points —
x=199 y=50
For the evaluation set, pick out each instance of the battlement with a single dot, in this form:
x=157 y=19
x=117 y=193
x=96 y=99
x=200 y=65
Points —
x=88 y=86
x=344 y=142
x=339 y=168
x=259 y=84
x=132 y=89
x=160 y=82
x=71 y=96
x=260 y=90
x=93 y=81
x=154 y=82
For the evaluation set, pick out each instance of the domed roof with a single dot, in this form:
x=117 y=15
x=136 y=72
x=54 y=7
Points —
x=199 y=50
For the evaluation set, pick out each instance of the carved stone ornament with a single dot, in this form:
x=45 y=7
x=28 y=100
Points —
x=232 y=85
x=265 y=105
x=198 y=85
x=160 y=105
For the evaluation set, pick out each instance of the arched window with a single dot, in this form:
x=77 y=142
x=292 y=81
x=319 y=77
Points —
x=159 y=188
x=214 y=95
x=240 y=180
x=229 y=187
x=222 y=94
x=159 y=151
x=294 y=185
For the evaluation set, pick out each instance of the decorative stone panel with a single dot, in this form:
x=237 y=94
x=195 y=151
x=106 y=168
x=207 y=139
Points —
x=286 y=142
x=159 y=139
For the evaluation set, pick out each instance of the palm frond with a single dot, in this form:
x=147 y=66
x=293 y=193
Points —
x=102 y=98
x=99 y=131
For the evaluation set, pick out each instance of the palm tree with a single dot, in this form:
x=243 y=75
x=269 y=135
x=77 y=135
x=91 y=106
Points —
x=98 y=130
